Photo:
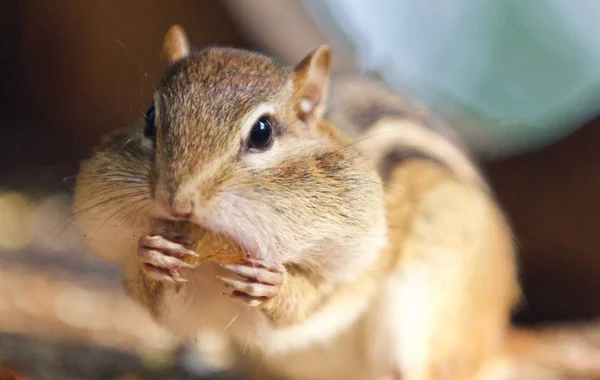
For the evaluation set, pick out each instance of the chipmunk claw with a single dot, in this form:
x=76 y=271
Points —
x=162 y=257
x=258 y=281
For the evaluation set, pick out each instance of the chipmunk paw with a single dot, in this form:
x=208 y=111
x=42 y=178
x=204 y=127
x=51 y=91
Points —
x=162 y=256
x=258 y=282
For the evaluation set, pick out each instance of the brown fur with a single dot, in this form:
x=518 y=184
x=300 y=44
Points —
x=200 y=95
x=200 y=104
x=358 y=103
x=438 y=216
x=320 y=209
x=479 y=342
x=301 y=295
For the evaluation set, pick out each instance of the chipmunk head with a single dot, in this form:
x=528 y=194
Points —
x=238 y=149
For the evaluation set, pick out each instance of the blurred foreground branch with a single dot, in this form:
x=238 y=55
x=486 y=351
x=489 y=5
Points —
x=64 y=317
x=41 y=359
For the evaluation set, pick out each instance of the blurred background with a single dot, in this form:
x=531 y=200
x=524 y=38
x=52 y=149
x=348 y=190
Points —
x=520 y=81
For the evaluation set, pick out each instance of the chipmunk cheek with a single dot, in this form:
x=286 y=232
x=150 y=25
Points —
x=247 y=221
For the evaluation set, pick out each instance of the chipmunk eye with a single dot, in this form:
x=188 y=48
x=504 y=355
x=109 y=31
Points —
x=149 y=131
x=261 y=135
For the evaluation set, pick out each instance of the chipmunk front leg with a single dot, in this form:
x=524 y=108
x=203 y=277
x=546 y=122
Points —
x=286 y=295
x=258 y=281
x=162 y=256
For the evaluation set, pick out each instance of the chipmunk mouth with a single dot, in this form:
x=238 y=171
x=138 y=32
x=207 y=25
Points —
x=228 y=217
x=250 y=250
x=249 y=253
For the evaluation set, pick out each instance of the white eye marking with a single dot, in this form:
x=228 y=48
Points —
x=253 y=116
x=281 y=152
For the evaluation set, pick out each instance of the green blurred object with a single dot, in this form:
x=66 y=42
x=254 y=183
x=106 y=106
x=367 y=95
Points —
x=514 y=75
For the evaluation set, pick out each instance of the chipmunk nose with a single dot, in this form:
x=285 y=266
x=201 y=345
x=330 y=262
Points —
x=180 y=203
x=183 y=208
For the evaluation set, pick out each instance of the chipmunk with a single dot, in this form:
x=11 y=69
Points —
x=236 y=204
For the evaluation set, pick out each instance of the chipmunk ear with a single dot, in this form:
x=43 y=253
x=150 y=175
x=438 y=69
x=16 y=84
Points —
x=175 y=46
x=311 y=81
